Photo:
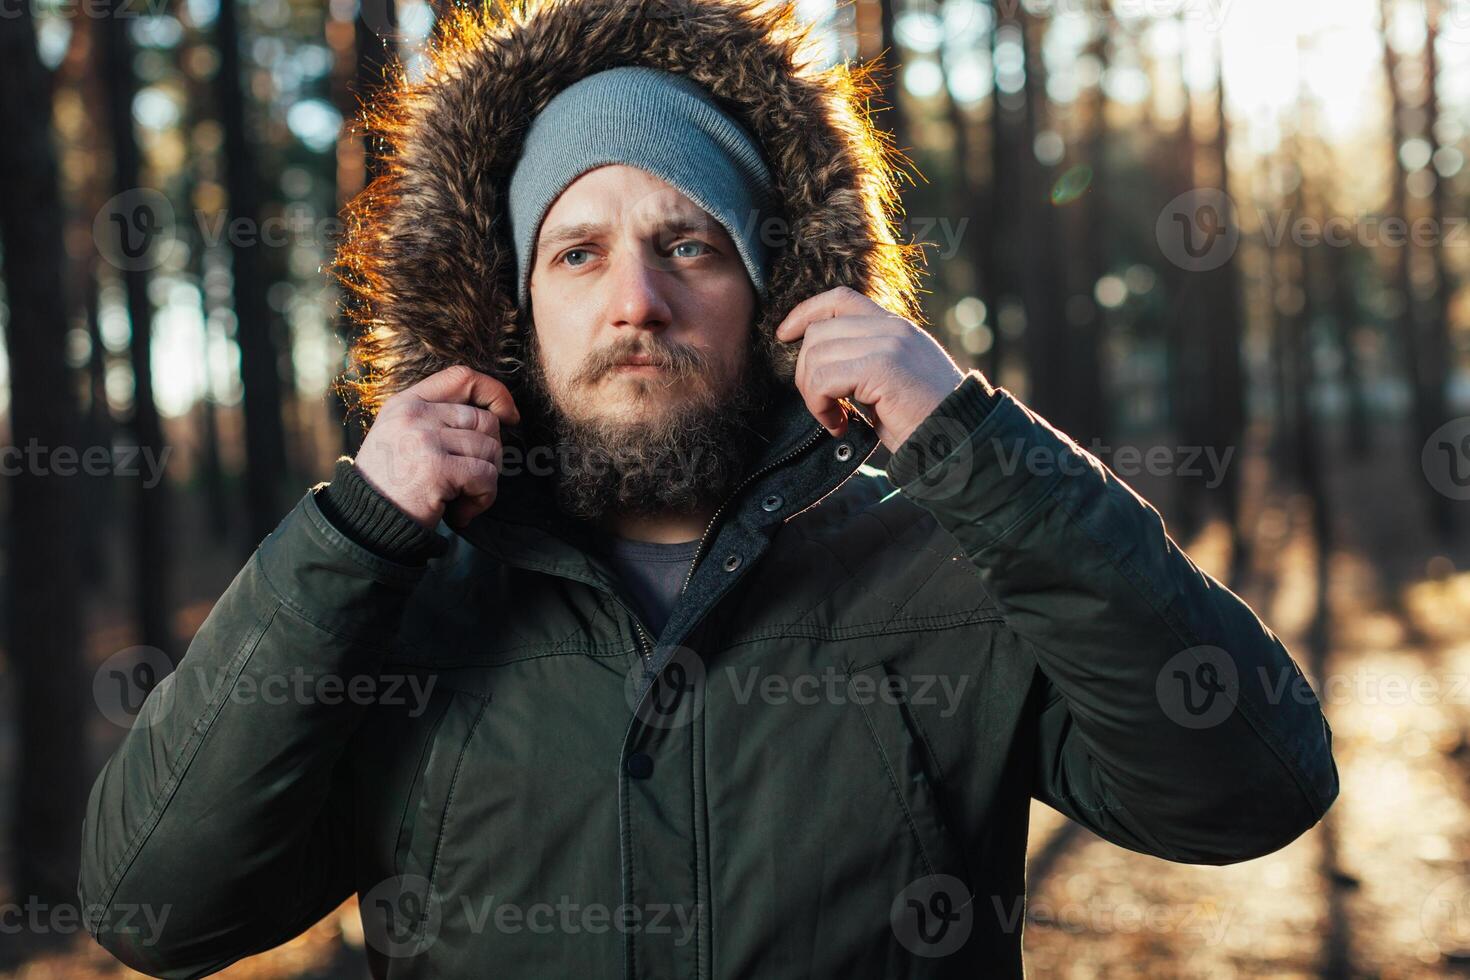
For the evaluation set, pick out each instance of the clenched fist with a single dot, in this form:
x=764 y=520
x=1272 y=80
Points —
x=435 y=450
x=853 y=348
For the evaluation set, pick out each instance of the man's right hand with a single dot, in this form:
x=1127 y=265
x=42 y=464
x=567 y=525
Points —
x=434 y=449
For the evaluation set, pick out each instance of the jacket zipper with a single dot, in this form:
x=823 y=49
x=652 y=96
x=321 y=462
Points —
x=641 y=637
x=699 y=551
x=644 y=647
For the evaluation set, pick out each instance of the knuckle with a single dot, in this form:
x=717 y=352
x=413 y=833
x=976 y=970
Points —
x=458 y=373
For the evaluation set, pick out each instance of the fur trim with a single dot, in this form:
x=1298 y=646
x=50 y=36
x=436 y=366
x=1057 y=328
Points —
x=426 y=256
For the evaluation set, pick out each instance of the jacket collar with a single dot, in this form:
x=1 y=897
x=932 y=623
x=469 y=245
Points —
x=800 y=464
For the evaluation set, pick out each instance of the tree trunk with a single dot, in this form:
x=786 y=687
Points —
x=260 y=377
x=43 y=614
x=1045 y=338
x=1189 y=369
x=1437 y=353
x=1084 y=323
x=1227 y=411
x=892 y=82
x=98 y=500
x=1346 y=312
x=1425 y=415
x=198 y=109
x=1000 y=274
x=151 y=556
x=968 y=203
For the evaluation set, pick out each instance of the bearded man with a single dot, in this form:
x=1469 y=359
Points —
x=702 y=694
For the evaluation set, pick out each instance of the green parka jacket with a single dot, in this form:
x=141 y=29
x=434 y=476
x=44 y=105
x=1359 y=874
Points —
x=822 y=767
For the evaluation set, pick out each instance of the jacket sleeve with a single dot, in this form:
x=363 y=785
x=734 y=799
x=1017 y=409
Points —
x=221 y=826
x=1169 y=718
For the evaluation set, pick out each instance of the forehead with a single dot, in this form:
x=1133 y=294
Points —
x=623 y=196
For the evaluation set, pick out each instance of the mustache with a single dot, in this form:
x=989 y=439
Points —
x=678 y=361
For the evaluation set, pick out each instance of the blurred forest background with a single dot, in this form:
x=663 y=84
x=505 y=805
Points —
x=1221 y=244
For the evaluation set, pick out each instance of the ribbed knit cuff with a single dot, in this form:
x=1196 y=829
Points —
x=356 y=508
x=969 y=403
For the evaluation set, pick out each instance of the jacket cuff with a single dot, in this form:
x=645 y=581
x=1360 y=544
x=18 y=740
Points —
x=968 y=405
x=357 y=509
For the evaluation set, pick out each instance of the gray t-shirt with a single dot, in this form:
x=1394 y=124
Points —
x=652 y=574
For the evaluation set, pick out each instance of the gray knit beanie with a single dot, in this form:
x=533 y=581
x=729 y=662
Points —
x=660 y=122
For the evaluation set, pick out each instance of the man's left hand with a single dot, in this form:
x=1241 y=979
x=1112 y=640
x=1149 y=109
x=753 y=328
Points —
x=855 y=349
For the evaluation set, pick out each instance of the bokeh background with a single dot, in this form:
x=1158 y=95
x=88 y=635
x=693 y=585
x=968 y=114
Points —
x=1221 y=243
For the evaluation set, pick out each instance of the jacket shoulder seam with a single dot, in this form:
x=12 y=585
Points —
x=289 y=602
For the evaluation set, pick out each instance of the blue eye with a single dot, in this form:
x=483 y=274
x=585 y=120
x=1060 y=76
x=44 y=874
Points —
x=570 y=252
x=695 y=244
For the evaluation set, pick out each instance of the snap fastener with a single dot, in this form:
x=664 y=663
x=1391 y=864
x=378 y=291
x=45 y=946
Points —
x=773 y=502
x=844 y=451
x=732 y=563
x=639 y=765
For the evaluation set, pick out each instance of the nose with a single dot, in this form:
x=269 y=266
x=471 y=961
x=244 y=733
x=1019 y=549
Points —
x=637 y=292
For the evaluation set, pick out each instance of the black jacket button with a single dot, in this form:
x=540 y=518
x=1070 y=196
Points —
x=639 y=765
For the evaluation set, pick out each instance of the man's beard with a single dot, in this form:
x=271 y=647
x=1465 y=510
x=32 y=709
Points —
x=683 y=458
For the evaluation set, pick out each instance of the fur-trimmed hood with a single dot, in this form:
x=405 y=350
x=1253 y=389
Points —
x=427 y=257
